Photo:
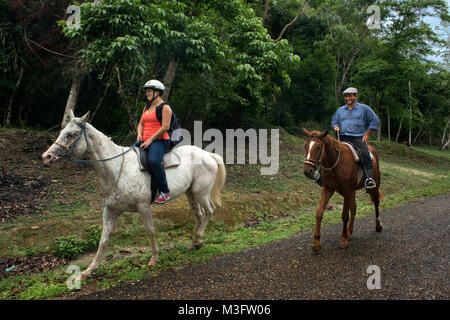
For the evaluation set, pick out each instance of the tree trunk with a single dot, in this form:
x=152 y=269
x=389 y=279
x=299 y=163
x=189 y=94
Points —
x=72 y=99
x=389 y=124
x=410 y=115
x=443 y=143
x=299 y=13
x=378 y=99
x=266 y=12
x=8 y=113
x=417 y=135
x=399 y=129
x=447 y=143
x=131 y=115
x=207 y=106
x=423 y=123
x=100 y=101
x=379 y=130
x=169 y=77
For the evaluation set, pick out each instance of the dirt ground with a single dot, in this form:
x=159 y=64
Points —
x=408 y=268
x=25 y=187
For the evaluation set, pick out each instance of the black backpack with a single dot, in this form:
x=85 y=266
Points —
x=174 y=125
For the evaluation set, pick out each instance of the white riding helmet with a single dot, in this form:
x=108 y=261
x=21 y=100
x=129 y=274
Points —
x=154 y=84
x=350 y=90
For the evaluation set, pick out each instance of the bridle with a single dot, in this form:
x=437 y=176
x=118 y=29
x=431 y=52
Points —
x=74 y=143
x=317 y=163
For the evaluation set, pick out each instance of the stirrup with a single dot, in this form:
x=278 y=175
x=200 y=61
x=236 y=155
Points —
x=370 y=183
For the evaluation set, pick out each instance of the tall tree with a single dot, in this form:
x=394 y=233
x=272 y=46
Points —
x=168 y=39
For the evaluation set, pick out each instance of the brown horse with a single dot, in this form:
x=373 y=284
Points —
x=339 y=172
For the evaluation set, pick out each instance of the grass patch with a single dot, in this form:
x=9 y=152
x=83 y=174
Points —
x=284 y=204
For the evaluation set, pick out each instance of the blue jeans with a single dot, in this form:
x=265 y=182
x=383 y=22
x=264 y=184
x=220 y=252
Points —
x=156 y=152
x=363 y=147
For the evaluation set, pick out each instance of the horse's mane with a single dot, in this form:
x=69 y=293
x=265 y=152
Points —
x=329 y=140
x=102 y=136
x=333 y=142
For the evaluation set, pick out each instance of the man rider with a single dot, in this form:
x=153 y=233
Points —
x=354 y=122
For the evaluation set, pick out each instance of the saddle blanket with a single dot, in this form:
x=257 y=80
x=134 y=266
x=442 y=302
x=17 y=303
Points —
x=355 y=154
x=170 y=159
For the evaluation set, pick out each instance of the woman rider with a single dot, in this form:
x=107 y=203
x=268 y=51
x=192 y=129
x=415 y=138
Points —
x=155 y=136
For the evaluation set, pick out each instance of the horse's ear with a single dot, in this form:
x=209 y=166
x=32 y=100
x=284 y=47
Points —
x=306 y=132
x=85 y=117
x=323 y=135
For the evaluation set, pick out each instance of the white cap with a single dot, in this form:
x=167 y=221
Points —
x=154 y=84
x=350 y=90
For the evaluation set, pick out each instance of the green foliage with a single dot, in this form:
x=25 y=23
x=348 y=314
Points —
x=93 y=234
x=223 y=42
x=69 y=247
x=227 y=69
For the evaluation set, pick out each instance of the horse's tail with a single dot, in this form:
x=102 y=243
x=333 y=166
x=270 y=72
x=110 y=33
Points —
x=220 y=180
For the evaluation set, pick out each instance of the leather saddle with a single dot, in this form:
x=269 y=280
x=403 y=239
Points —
x=357 y=156
x=355 y=151
x=170 y=159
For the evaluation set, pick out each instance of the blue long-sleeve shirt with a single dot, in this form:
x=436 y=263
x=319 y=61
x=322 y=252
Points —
x=356 y=121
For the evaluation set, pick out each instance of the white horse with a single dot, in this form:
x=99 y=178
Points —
x=200 y=174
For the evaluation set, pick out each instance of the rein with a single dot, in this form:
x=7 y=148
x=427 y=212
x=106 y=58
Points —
x=317 y=164
x=71 y=146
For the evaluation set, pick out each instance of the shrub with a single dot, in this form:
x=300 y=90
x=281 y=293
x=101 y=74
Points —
x=69 y=247
x=93 y=235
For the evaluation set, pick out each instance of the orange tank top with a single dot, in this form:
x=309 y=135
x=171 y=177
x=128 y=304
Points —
x=151 y=125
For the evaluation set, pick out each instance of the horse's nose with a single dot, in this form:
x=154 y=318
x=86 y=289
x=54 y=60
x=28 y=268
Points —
x=309 y=172
x=48 y=157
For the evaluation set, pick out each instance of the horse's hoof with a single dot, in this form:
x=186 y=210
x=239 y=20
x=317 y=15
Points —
x=83 y=276
x=197 y=246
x=379 y=228
x=316 y=248
x=343 y=244
x=153 y=262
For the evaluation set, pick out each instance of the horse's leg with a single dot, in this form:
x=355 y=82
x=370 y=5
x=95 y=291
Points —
x=198 y=215
x=374 y=194
x=109 y=221
x=353 y=213
x=147 y=218
x=344 y=238
x=326 y=195
x=208 y=209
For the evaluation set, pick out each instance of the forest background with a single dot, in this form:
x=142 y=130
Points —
x=229 y=63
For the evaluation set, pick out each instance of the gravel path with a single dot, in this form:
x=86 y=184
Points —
x=412 y=253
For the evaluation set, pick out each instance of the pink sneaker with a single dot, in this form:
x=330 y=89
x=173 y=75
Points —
x=163 y=198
